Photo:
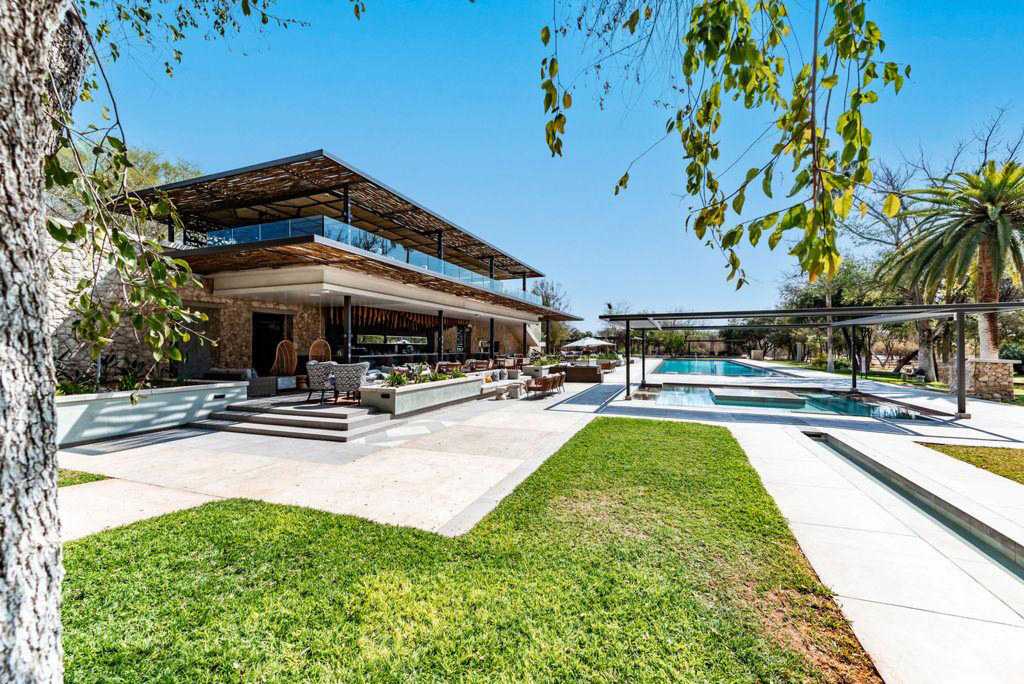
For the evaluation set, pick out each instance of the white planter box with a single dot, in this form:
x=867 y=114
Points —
x=536 y=371
x=411 y=398
x=90 y=417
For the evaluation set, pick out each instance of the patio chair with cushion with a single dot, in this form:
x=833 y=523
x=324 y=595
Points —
x=319 y=374
x=347 y=378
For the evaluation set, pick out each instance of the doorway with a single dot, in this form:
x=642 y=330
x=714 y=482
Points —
x=268 y=329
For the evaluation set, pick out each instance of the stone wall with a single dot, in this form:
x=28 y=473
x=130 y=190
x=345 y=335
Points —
x=234 y=324
x=230 y=320
x=986 y=379
x=67 y=268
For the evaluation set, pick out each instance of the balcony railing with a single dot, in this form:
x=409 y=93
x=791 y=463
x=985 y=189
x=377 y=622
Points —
x=357 y=237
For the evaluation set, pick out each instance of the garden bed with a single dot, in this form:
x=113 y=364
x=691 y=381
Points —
x=90 y=417
x=406 y=399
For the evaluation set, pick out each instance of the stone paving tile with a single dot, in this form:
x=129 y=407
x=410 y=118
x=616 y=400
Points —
x=483 y=441
x=898 y=569
x=422 y=472
x=96 y=506
x=834 y=507
x=399 y=486
x=922 y=647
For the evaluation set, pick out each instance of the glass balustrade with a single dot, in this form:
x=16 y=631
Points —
x=357 y=237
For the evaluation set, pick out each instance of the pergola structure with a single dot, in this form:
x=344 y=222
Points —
x=319 y=184
x=850 y=317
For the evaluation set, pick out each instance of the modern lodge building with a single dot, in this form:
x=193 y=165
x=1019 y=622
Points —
x=308 y=246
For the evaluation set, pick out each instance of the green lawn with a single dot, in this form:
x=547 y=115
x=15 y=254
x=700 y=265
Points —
x=66 y=478
x=641 y=551
x=1006 y=462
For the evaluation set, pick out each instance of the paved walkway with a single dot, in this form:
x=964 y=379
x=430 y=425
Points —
x=441 y=472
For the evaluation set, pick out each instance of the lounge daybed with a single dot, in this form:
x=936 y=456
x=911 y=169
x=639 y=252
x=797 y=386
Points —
x=589 y=374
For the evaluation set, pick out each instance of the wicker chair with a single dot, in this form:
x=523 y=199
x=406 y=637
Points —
x=320 y=350
x=318 y=374
x=348 y=377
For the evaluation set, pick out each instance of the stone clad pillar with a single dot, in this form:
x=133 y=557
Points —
x=990 y=379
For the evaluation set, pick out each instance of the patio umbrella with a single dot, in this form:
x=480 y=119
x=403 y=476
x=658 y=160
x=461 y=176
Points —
x=588 y=343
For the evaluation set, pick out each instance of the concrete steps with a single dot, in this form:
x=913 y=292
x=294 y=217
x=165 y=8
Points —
x=331 y=423
x=344 y=413
x=302 y=420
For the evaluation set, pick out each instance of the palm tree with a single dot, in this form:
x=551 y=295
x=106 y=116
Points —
x=971 y=225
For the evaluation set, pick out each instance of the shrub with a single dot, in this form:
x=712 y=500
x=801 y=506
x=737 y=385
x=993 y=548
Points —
x=395 y=379
x=1011 y=350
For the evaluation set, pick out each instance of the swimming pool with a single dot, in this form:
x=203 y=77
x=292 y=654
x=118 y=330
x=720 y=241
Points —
x=724 y=367
x=813 y=401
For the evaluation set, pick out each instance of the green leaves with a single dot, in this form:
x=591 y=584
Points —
x=746 y=54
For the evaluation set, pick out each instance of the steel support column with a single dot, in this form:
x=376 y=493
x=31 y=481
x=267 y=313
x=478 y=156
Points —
x=348 y=328
x=346 y=206
x=547 y=336
x=853 y=357
x=628 y=359
x=961 y=367
x=490 y=267
x=643 y=358
x=440 y=245
x=490 y=339
x=525 y=346
x=440 y=334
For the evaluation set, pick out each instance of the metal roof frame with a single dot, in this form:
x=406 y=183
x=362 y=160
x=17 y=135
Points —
x=271 y=189
x=819 y=312
x=850 y=317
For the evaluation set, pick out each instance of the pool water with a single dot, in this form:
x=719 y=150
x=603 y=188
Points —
x=814 y=402
x=725 y=367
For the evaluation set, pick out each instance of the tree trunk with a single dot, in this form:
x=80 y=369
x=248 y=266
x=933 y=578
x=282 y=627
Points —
x=830 y=362
x=925 y=343
x=30 y=550
x=988 y=292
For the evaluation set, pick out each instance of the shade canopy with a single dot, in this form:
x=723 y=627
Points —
x=588 y=343
x=319 y=184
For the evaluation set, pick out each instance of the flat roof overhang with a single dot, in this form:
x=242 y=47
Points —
x=314 y=250
x=317 y=183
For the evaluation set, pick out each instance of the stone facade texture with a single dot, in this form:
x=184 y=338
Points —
x=986 y=379
x=67 y=268
x=231 y=324
x=230 y=320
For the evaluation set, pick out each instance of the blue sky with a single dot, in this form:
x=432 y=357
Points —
x=441 y=101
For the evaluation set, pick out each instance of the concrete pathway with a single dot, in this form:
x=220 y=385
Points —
x=441 y=472
x=96 y=506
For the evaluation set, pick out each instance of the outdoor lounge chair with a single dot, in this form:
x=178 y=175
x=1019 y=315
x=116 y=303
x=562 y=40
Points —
x=347 y=378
